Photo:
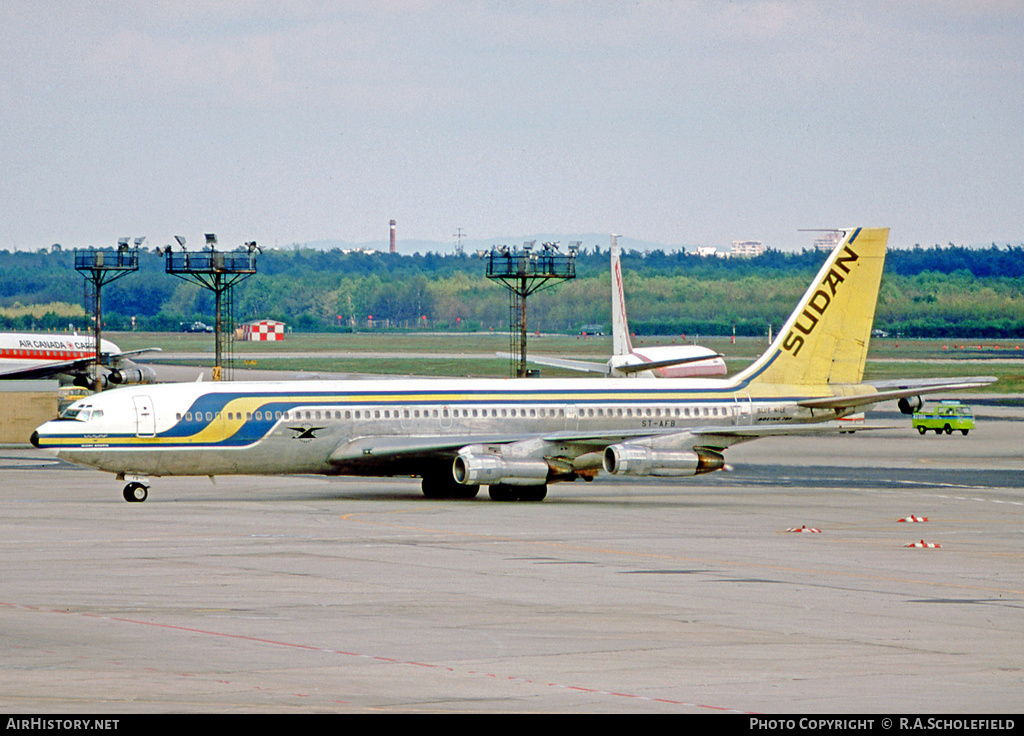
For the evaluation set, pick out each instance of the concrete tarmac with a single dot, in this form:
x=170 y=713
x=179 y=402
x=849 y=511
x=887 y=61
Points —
x=304 y=594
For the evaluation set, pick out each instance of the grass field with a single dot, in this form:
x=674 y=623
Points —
x=474 y=354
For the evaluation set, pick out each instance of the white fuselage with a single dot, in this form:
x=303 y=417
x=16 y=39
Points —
x=695 y=361
x=23 y=352
x=333 y=427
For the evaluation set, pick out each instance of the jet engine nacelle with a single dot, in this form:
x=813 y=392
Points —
x=473 y=468
x=642 y=460
x=84 y=380
x=136 y=374
x=910 y=404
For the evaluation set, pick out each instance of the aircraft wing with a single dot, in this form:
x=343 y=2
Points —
x=130 y=353
x=572 y=365
x=374 y=450
x=721 y=438
x=371 y=449
x=712 y=438
x=898 y=389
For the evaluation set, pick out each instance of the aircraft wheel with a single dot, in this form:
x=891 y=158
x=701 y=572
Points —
x=464 y=493
x=136 y=492
x=501 y=492
x=533 y=494
x=921 y=430
x=435 y=487
x=431 y=488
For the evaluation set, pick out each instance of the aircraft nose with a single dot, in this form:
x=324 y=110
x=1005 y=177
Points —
x=34 y=439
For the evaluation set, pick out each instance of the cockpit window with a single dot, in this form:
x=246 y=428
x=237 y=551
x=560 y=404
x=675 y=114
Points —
x=81 y=413
x=76 y=411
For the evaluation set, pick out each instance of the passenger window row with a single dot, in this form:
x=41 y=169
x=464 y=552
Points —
x=465 y=413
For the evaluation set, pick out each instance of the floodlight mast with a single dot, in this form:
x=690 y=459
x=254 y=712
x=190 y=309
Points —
x=100 y=267
x=219 y=272
x=523 y=273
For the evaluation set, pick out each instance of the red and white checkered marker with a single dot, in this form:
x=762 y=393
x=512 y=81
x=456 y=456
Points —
x=812 y=530
x=923 y=544
x=915 y=518
x=263 y=330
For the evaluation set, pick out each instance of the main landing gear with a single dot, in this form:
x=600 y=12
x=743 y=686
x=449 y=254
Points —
x=502 y=492
x=136 y=492
x=441 y=486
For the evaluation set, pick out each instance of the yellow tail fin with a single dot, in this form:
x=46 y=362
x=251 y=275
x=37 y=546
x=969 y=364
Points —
x=825 y=340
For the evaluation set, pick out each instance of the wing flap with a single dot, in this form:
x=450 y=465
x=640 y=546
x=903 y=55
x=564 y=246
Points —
x=377 y=447
x=722 y=438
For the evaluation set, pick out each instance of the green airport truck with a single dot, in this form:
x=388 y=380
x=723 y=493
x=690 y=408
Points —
x=945 y=416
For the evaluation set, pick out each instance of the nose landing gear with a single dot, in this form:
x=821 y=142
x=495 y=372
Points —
x=136 y=492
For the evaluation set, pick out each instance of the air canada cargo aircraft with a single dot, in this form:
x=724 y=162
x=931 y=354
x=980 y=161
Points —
x=663 y=361
x=28 y=356
x=514 y=435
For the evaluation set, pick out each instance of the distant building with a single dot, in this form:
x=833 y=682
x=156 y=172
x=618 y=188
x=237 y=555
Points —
x=828 y=241
x=263 y=330
x=747 y=248
x=708 y=251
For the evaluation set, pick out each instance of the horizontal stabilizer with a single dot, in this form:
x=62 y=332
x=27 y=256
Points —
x=655 y=364
x=896 y=389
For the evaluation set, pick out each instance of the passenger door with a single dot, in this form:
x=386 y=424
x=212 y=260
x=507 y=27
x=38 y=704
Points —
x=145 y=419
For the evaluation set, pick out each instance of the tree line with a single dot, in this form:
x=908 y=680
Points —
x=926 y=292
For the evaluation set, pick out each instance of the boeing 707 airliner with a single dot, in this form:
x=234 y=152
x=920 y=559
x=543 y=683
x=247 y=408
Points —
x=515 y=436
x=29 y=356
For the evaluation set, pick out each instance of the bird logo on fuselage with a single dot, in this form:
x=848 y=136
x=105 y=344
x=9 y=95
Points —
x=305 y=434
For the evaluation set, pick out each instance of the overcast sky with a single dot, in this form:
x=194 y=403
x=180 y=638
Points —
x=696 y=122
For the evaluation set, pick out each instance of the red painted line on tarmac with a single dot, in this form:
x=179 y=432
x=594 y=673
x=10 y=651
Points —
x=310 y=648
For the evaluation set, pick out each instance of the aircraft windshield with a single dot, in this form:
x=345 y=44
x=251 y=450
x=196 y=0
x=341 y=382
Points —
x=81 y=413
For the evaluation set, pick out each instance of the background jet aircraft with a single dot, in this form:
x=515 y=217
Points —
x=28 y=356
x=663 y=361
x=514 y=435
